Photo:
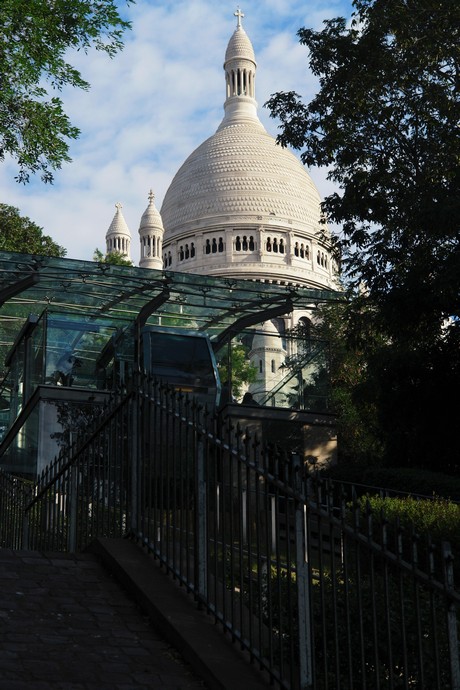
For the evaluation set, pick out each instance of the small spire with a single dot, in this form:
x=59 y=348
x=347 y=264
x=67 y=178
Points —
x=151 y=196
x=239 y=16
x=118 y=206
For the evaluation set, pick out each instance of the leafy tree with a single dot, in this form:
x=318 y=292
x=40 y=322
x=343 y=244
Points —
x=35 y=42
x=351 y=390
x=385 y=123
x=114 y=258
x=20 y=234
x=242 y=372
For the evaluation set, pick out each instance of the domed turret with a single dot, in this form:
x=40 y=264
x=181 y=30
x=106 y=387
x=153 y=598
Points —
x=267 y=355
x=242 y=206
x=151 y=236
x=118 y=236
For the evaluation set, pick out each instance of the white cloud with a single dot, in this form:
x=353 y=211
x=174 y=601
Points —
x=153 y=104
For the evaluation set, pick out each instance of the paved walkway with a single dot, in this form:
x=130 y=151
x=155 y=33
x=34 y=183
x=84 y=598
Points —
x=66 y=624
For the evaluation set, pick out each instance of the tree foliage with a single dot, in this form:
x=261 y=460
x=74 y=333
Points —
x=350 y=389
x=35 y=41
x=114 y=258
x=385 y=123
x=241 y=372
x=20 y=234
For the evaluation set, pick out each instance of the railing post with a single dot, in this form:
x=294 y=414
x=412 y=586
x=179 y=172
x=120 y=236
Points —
x=73 y=499
x=200 y=520
x=452 y=632
x=27 y=497
x=25 y=533
x=305 y=635
x=134 y=405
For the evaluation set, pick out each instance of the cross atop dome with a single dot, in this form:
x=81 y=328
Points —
x=151 y=196
x=239 y=16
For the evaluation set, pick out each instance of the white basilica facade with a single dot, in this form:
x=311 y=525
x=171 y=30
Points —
x=241 y=206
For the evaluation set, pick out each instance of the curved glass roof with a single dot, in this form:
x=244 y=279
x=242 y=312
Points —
x=90 y=290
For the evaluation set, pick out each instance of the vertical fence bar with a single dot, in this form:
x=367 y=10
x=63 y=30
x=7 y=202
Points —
x=134 y=405
x=452 y=630
x=73 y=501
x=200 y=522
x=26 y=498
x=305 y=639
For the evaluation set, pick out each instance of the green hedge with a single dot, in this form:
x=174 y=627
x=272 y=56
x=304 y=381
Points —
x=440 y=518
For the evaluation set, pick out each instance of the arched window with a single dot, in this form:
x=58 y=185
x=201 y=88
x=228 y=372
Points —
x=181 y=253
x=269 y=244
x=207 y=248
x=187 y=252
x=281 y=246
x=214 y=247
x=220 y=246
x=275 y=245
x=305 y=324
x=245 y=243
x=296 y=249
x=273 y=366
x=238 y=244
x=251 y=244
x=192 y=250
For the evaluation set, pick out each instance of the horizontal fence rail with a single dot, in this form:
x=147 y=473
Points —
x=321 y=591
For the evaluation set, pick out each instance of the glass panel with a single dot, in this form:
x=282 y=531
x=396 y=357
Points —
x=36 y=355
x=183 y=360
x=279 y=369
x=72 y=349
x=20 y=458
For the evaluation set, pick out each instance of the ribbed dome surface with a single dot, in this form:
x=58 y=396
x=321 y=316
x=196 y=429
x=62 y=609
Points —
x=118 y=225
x=239 y=46
x=240 y=170
x=151 y=217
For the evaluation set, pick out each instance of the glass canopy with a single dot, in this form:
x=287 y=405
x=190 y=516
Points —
x=94 y=291
x=73 y=331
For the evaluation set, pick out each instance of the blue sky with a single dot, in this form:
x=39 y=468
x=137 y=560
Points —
x=154 y=103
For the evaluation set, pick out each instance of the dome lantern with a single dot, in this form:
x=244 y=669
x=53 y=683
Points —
x=240 y=76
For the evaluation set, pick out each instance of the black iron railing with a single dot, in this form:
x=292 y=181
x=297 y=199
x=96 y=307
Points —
x=320 y=591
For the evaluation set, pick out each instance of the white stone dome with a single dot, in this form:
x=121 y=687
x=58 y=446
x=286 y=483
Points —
x=241 y=205
x=240 y=170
